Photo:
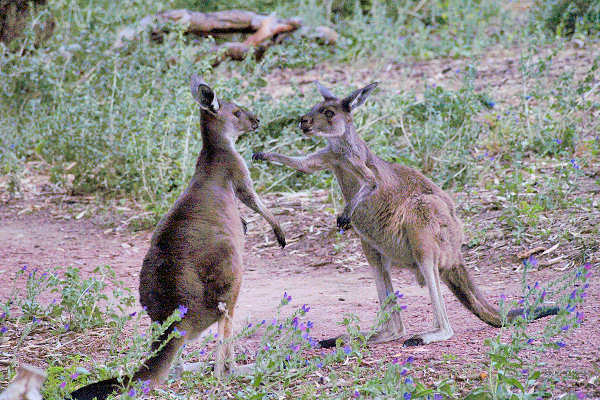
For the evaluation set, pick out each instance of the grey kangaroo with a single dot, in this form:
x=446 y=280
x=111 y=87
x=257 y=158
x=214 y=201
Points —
x=401 y=216
x=195 y=255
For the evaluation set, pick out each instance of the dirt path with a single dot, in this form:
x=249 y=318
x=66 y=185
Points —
x=319 y=268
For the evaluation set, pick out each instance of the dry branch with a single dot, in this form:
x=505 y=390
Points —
x=262 y=27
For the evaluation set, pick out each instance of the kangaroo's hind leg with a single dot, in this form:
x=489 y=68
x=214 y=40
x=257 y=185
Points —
x=441 y=324
x=392 y=327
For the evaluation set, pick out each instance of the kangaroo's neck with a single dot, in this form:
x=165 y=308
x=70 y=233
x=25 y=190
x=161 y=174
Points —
x=217 y=146
x=349 y=143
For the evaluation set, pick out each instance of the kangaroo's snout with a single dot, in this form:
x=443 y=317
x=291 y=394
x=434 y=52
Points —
x=305 y=123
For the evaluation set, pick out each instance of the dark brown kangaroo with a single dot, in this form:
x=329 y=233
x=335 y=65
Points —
x=195 y=256
x=402 y=217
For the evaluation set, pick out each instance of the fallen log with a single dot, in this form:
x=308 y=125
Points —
x=265 y=29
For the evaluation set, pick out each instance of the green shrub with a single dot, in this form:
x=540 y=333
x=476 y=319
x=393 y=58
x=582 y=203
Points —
x=564 y=17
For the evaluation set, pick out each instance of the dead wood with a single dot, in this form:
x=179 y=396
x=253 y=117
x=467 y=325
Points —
x=265 y=29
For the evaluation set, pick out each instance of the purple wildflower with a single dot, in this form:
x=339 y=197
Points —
x=558 y=141
x=565 y=328
x=66 y=326
x=532 y=260
x=286 y=298
x=182 y=310
x=319 y=364
x=503 y=297
x=403 y=372
x=543 y=294
x=398 y=294
x=146 y=386
x=347 y=350
x=573 y=294
x=579 y=316
x=25 y=269
x=587 y=266
x=574 y=163
x=74 y=376
x=131 y=393
x=525 y=371
x=295 y=347
x=356 y=394
x=295 y=323
x=35 y=320
x=3 y=330
x=580 y=395
x=262 y=322
x=407 y=396
x=438 y=396
x=177 y=331
x=305 y=308
x=309 y=325
x=529 y=341
x=133 y=314
x=403 y=307
x=570 y=308
x=63 y=384
x=560 y=344
x=409 y=360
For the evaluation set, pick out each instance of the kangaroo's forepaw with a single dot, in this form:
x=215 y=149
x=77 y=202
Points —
x=413 y=341
x=343 y=222
x=259 y=156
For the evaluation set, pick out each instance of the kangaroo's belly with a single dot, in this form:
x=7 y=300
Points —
x=376 y=224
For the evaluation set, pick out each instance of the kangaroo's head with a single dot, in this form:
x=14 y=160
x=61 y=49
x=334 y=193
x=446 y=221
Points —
x=221 y=117
x=330 y=117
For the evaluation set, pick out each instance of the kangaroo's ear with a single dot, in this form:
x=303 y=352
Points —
x=358 y=97
x=326 y=93
x=203 y=94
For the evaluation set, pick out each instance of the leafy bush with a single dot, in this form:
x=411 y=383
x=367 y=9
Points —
x=565 y=17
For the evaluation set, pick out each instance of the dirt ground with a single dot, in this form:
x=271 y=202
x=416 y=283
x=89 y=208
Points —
x=319 y=268
x=328 y=271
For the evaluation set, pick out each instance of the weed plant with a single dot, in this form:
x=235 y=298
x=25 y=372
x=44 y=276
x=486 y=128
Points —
x=286 y=361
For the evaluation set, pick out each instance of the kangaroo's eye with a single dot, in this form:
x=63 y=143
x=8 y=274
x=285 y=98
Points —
x=328 y=113
x=237 y=114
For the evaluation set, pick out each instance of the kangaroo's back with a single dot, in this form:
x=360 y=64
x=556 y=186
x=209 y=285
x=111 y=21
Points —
x=194 y=263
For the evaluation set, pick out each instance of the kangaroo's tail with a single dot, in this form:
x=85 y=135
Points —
x=460 y=283
x=154 y=369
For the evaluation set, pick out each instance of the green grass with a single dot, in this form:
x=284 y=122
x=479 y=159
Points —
x=123 y=124
x=285 y=360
